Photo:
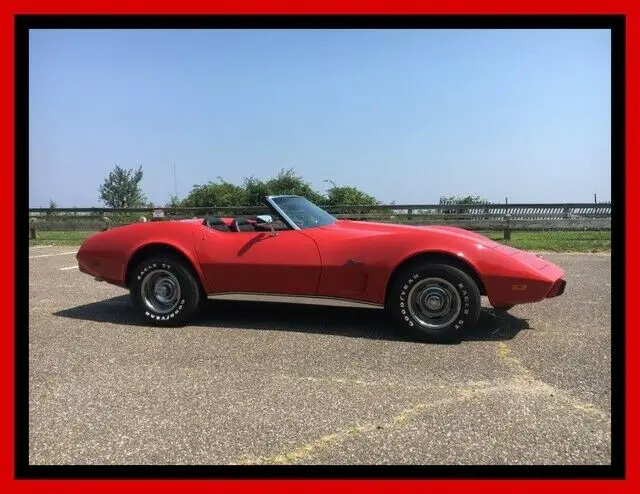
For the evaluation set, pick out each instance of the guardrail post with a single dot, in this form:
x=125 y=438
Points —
x=507 y=226
x=105 y=223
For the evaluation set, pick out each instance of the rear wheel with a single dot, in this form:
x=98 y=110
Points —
x=434 y=302
x=165 y=291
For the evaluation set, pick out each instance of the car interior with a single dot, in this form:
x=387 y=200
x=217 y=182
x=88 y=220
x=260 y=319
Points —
x=239 y=224
x=216 y=223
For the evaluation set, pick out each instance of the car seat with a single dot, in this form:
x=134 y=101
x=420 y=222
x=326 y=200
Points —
x=216 y=223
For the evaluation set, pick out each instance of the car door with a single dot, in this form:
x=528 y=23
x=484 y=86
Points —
x=258 y=262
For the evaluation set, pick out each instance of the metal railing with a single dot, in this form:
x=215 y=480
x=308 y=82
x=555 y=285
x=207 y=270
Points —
x=485 y=217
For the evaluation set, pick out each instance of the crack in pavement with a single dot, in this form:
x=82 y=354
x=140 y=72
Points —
x=525 y=376
x=523 y=382
x=313 y=447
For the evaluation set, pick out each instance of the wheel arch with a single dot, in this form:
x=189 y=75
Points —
x=162 y=248
x=437 y=256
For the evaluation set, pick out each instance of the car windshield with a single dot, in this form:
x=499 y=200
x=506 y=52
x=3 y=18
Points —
x=302 y=212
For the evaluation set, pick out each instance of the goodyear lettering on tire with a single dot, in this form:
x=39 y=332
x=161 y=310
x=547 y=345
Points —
x=151 y=315
x=403 y=301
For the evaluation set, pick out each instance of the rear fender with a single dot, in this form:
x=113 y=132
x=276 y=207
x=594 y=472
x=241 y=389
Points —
x=184 y=249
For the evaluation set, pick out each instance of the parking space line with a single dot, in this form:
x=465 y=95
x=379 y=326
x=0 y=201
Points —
x=51 y=255
x=70 y=267
x=40 y=247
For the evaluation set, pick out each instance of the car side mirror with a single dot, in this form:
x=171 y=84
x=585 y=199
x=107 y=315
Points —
x=264 y=218
x=268 y=220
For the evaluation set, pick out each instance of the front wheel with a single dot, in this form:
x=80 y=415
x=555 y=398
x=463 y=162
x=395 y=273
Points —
x=434 y=302
x=165 y=292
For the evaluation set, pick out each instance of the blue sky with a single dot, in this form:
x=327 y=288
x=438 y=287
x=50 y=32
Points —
x=406 y=115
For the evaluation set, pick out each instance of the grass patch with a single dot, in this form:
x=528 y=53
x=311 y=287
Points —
x=556 y=241
x=69 y=237
x=538 y=241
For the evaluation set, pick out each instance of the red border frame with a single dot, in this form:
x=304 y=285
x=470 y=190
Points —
x=11 y=7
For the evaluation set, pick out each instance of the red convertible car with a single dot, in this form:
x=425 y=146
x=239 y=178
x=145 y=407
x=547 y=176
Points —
x=429 y=278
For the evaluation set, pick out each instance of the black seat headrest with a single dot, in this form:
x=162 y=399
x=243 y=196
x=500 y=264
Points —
x=212 y=220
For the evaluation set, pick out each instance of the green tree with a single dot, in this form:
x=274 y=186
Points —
x=255 y=190
x=289 y=182
x=350 y=196
x=121 y=189
x=455 y=200
x=463 y=200
x=286 y=182
x=347 y=195
x=173 y=202
x=53 y=205
x=218 y=194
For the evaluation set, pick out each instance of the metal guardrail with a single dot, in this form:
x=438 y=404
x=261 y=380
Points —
x=540 y=209
x=487 y=217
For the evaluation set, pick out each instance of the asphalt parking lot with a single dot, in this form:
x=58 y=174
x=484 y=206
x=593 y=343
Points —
x=255 y=383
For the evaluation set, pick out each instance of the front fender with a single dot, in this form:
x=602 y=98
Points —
x=405 y=249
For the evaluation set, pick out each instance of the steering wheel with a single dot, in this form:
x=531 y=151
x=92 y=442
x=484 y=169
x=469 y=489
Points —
x=237 y=222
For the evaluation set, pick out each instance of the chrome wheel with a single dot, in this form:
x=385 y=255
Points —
x=434 y=303
x=161 y=291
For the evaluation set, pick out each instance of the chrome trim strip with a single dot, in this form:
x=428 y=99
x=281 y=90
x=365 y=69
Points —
x=294 y=299
x=279 y=210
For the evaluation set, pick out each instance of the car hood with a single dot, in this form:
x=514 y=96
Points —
x=364 y=227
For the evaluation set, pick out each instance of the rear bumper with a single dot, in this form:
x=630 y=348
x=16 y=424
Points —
x=99 y=268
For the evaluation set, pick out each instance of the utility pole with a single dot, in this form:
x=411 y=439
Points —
x=175 y=180
x=595 y=198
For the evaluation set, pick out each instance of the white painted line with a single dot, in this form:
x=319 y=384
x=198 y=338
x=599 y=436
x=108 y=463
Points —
x=40 y=247
x=51 y=255
x=70 y=267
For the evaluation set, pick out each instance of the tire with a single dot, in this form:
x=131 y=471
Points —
x=178 y=296
x=454 y=294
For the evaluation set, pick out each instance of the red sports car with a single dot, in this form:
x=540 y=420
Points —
x=429 y=278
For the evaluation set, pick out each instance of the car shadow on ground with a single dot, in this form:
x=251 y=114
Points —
x=349 y=322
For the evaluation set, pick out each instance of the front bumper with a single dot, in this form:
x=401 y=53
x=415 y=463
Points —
x=523 y=278
x=557 y=288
